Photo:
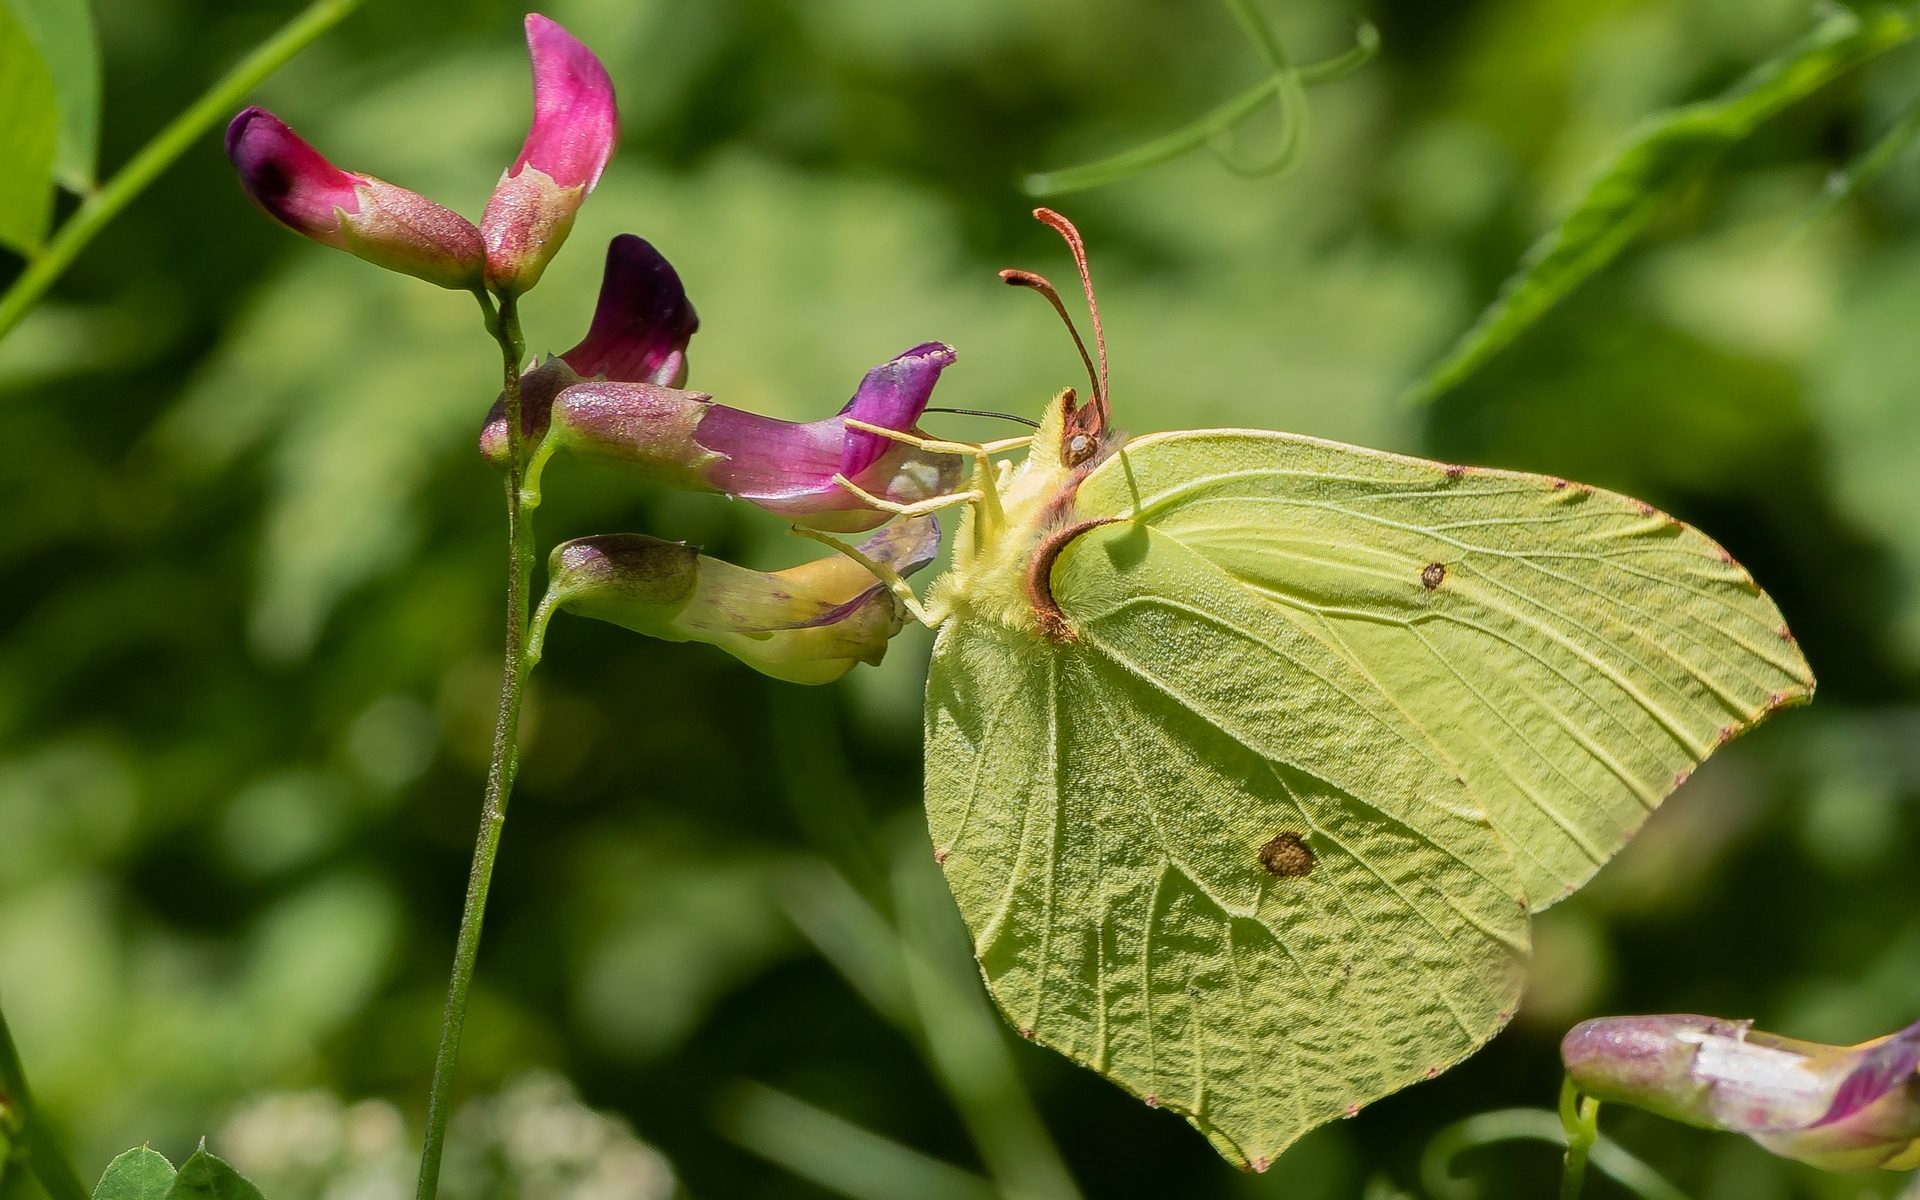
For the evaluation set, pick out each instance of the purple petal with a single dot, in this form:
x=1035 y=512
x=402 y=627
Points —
x=575 y=121
x=287 y=177
x=770 y=460
x=893 y=395
x=642 y=322
x=906 y=546
x=1877 y=1070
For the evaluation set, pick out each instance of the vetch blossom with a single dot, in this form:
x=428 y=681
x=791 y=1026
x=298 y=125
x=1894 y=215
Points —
x=1840 y=1108
x=809 y=624
x=575 y=127
x=636 y=417
x=684 y=439
x=388 y=226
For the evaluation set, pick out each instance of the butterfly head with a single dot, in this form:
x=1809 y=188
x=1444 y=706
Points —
x=1086 y=430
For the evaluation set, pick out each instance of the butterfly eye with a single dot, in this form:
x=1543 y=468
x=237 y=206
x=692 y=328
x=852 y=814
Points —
x=1078 y=446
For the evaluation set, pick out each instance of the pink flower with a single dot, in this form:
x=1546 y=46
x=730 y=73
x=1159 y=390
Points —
x=527 y=219
x=367 y=217
x=629 y=411
x=683 y=439
x=575 y=127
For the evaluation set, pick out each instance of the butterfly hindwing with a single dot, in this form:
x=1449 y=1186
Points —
x=1197 y=855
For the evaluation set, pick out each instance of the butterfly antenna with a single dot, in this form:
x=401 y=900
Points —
x=1065 y=229
x=987 y=412
x=1027 y=279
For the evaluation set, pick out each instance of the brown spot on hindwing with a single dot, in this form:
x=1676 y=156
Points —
x=1433 y=575
x=1287 y=856
x=1046 y=610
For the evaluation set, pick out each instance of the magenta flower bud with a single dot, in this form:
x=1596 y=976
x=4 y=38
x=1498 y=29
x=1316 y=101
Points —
x=640 y=330
x=367 y=217
x=575 y=126
x=1839 y=1108
x=810 y=624
x=685 y=440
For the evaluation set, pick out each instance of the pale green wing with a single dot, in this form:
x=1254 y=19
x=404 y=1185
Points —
x=1199 y=853
x=1575 y=652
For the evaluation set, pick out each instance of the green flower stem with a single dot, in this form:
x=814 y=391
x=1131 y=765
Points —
x=505 y=764
x=44 y=1156
x=1580 y=1117
x=214 y=106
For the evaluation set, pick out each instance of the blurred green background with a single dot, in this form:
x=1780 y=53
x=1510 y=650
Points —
x=249 y=597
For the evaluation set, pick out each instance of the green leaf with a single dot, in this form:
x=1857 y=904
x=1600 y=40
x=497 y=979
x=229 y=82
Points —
x=140 y=1174
x=1868 y=166
x=1658 y=163
x=28 y=117
x=63 y=31
x=836 y=1153
x=204 y=1177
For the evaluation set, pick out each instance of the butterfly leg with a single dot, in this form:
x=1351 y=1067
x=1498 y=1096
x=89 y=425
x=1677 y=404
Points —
x=918 y=508
x=938 y=446
x=984 y=493
x=896 y=583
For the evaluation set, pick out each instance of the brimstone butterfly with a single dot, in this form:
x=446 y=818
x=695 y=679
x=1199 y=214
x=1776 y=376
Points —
x=1248 y=754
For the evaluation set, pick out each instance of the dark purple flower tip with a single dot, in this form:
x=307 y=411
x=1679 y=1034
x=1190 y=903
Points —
x=893 y=395
x=575 y=126
x=642 y=322
x=575 y=121
x=290 y=180
x=369 y=218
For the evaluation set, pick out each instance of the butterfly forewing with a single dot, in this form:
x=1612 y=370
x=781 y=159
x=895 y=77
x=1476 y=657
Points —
x=1574 y=651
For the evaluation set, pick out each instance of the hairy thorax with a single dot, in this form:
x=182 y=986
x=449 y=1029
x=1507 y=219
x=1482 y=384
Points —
x=997 y=545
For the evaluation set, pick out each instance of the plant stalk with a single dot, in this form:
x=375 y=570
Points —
x=215 y=104
x=44 y=1157
x=505 y=763
x=1580 y=1117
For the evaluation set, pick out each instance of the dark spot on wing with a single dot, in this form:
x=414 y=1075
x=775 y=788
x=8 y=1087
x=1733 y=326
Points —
x=1433 y=575
x=1287 y=856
